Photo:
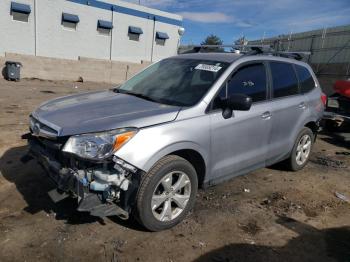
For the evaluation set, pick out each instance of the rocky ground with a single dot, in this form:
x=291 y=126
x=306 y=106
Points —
x=267 y=215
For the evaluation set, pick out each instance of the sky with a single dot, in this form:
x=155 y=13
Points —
x=231 y=19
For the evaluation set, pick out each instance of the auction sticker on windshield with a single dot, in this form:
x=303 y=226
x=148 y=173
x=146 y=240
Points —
x=211 y=68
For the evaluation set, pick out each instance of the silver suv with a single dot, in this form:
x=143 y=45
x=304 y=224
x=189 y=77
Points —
x=191 y=120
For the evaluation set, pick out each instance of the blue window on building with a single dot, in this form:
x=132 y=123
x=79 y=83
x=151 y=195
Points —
x=104 y=27
x=20 y=8
x=104 y=24
x=134 y=33
x=20 y=12
x=70 y=21
x=70 y=18
x=135 y=30
x=162 y=36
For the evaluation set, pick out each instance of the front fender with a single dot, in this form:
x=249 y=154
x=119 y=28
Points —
x=172 y=148
x=151 y=144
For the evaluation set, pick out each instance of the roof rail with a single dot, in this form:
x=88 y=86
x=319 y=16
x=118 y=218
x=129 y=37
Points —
x=220 y=48
x=252 y=50
x=297 y=55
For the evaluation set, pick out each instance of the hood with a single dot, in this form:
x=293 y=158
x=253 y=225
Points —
x=101 y=111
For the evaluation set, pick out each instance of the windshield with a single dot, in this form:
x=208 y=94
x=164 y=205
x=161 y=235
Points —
x=180 y=82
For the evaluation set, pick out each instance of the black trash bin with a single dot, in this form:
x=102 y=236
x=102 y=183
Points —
x=13 y=70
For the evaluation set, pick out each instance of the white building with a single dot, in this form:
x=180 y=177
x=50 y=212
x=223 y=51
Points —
x=103 y=29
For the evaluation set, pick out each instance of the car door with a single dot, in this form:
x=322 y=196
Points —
x=238 y=144
x=288 y=109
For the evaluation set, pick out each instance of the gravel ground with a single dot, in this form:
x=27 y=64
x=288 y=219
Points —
x=267 y=215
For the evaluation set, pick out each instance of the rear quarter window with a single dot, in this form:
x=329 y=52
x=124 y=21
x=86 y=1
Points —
x=284 y=80
x=306 y=80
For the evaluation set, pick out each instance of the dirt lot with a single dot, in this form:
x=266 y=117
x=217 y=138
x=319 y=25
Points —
x=268 y=215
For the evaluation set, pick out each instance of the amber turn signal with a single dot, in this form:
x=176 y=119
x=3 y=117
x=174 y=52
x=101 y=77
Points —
x=121 y=139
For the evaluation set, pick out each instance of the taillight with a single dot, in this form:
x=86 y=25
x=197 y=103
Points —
x=323 y=99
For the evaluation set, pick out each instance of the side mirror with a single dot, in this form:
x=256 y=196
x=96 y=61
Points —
x=238 y=102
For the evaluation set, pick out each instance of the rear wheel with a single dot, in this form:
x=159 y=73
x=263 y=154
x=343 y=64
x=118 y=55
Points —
x=167 y=193
x=301 y=151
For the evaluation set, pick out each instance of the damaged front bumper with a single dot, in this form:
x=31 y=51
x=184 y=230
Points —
x=103 y=189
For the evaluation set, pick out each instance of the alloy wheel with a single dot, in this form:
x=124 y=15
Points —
x=171 y=196
x=303 y=149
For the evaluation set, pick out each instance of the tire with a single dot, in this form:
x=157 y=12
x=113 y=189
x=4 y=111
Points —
x=154 y=188
x=292 y=162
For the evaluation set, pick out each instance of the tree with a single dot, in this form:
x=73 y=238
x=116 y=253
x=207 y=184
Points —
x=213 y=40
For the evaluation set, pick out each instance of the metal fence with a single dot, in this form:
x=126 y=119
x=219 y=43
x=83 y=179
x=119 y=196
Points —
x=329 y=47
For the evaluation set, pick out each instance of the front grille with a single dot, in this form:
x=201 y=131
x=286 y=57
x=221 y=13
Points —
x=37 y=128
x=53 y=148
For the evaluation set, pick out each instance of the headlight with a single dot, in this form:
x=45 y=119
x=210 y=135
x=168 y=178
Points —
x=98 y=146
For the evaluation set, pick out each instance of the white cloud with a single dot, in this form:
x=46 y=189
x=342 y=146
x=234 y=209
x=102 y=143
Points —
x=158 y=3
x=321 y=20
x=154 y=3
x=206 y=17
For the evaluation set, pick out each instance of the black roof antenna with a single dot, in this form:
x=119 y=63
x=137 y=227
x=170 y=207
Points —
x=255 y=50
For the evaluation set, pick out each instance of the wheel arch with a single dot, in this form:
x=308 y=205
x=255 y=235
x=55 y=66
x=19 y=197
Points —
x=196 y=160
x=313 y=126
x=187 y=150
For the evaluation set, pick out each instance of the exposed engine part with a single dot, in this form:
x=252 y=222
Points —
x=104 y=178
x=119 y=163
x=99 y=186
x=83 y=176
x=103 y=189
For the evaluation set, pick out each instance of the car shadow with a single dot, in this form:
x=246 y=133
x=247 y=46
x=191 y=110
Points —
x=337 y=139
x=280 y=166
x=312 y=244
x=33 y=184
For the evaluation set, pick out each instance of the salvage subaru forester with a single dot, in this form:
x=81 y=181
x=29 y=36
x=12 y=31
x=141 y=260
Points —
x=192 y=120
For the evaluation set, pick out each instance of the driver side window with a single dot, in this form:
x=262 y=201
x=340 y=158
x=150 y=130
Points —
x=249 y=80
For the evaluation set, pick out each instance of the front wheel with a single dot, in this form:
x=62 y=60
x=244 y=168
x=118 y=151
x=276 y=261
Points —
x=301 y=151
x=167 y=193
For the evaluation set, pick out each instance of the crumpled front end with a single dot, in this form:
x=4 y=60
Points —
x=102 y=188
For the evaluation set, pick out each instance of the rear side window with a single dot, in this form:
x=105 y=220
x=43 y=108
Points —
x=284 y=80
x=249 y=80
x=306 y=81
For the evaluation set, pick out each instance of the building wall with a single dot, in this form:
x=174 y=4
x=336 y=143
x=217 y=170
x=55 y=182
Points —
x=44 y=35
x=88 y=69
x=171 y=45
x=54 y=40
x=16 y=36
x=125 y=49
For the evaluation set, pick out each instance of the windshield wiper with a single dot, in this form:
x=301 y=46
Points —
x=121 y=91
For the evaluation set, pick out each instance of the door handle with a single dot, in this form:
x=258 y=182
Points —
x=302 y=105
x=266 y=115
